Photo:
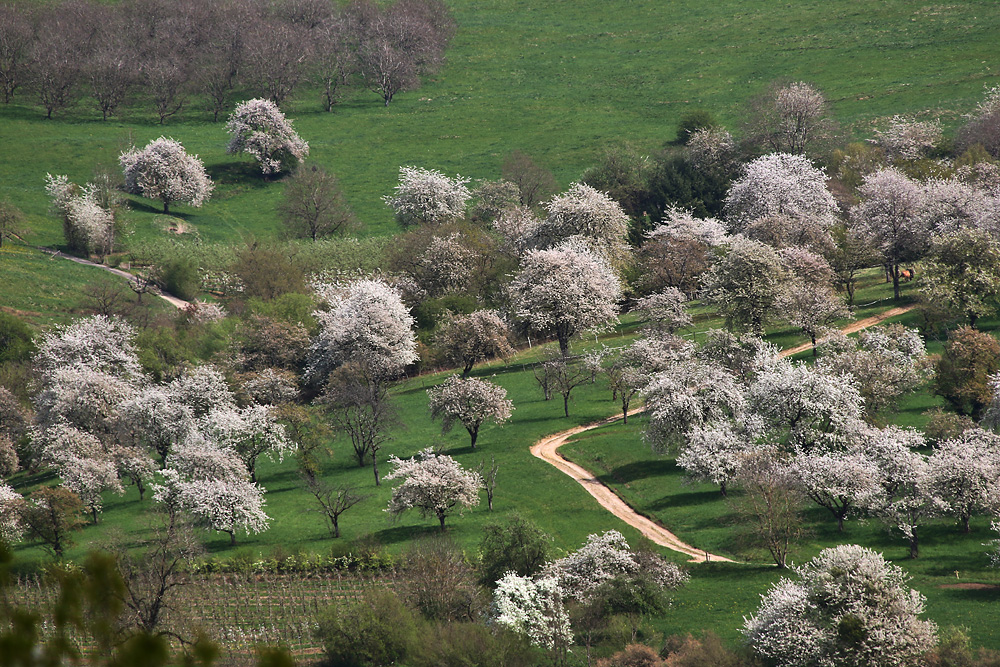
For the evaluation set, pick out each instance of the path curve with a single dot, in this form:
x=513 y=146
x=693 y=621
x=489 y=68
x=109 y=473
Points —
x=547 y=448
x=169 y=298
x=855 y=327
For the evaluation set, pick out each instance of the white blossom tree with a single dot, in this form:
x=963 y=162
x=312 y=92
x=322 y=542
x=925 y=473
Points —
x=88 y=225
x=904 y=138
x=10 y=514
x=446 y=266
x=433 y=483
x=367 y=323
x=811 y=308
x=163 y=170
x=689 y=394
x=744 y=283
x=227 y=505
x=604 y=557
x=715 y=452
x=885 y=362
x=847 y=607
x=259 y=128
x=779 y=184
x=966 y=471
x=532 y=607
x=842 y=482
x=471 y=402
x=469 y=339
x=590 y=214
x=564 y=291
x=664 y=311
x=427 y=197
x=907 y=497
x=249 y=432
x=100 y=343
x=891 y=214
x=804 y=409
x=201 y=389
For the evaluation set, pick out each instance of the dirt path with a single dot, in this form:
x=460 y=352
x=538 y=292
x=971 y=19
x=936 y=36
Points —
x=547 y=448
x=172 y=300
x=855 y=327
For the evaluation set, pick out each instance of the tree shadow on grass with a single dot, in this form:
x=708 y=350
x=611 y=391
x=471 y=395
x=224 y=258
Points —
x=400 y=534
x=638 y=470
x=687 y=499
x=246 y=174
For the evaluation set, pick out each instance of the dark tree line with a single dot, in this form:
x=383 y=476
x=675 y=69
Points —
x=165 y=55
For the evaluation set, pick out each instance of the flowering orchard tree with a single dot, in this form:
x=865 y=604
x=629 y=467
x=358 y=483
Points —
x=564 y=291
x=904 y=138
x=469 y=339
x=99 y=343
x=631 y=369
x=962 y=274
x=427 y=197
x=885 y=362
x=842 y=482
x=532 y=607
x=367 y=323
x=811 y=308
x=228 y=505
x=446 y=266
x=908 y=496
x=677 y=252
x=891 y=214
x=664 y=310
x=743 y=355
x=85 y=398
x=791 y=118
x=198 y=458
x=88 y=226
x=966 y=471
x=689 y=394
x=152 y=419
x=249 y=432
x=433 y=483
x=163 y=170
x=847 y=607
x=201 y=389
x=259 y=128
x=711 y=148
x=744 y=283
x=590 y=214
x=780 y=184
x=714 y=453
x=471 y=402
x=605 y=557
x=10 y=514
x=805 y=409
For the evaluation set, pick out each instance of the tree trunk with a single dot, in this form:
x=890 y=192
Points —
x=813 y=337
x=625 y=402
x=166 y=207
x=973 y=318
x=441 y=519
x=336 y=527
x=232 y=537
x=375 y=469
x=468 y=369
x=474 y=432
x=914 y=545
x=965 y=523
x=894 y=270
x=564 y=344
x=566 y=404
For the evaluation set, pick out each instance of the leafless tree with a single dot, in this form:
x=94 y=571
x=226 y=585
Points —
x=565 y=375
x=534 y=182
x=770 y=506
x=789 y=118
x=489 y=478
x=15 y=47
x=332 y=500
x=276 y=55
x=314 y=205
x=55 y=62
x=111 y=63
x=333 y=61
x=360 y=407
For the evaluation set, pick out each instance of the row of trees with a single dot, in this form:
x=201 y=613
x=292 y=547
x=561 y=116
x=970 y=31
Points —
x=169 y=53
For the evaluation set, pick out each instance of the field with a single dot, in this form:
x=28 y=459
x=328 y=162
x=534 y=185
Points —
x=561 y=81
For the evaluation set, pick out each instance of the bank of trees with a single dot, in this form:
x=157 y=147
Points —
x=170 y=57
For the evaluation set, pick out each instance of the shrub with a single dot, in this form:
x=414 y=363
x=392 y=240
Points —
x=180 y=278
x=373 y=631
x=516 y=545
x=969 y=358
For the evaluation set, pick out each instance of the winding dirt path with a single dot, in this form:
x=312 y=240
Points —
x=169 y=298
x=855 y=327
x=547 y=448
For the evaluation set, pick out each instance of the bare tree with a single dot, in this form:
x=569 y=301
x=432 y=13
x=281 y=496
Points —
x=332 y=500
x=15 y=46
x=54 y=64
x=489 y=478
x=791 y=118
x=111 y=64
x=313 y=205
x=565 y=375
x=276 y=54
x=535 y=183
x=770 y=506
x=11 y=219
x=361 y=409
x=333 y=61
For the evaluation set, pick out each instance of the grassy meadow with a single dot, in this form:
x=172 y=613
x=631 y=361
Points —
x=559 y=80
